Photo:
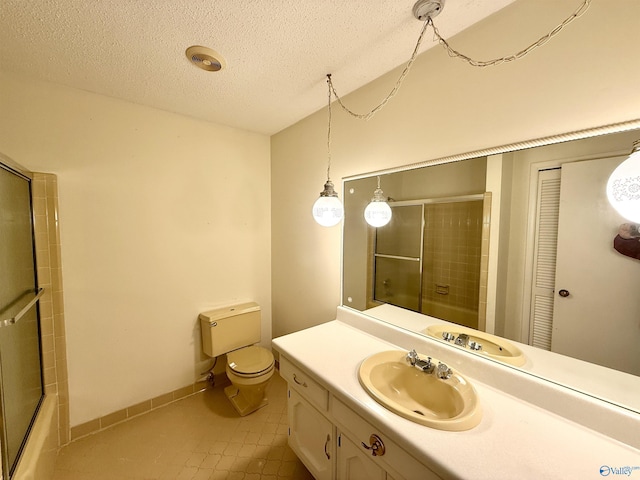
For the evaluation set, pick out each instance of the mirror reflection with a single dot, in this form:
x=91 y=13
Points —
x=427 y=258
x=518 y=244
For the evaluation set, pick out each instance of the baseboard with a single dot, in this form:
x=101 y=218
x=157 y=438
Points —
x=125 y=414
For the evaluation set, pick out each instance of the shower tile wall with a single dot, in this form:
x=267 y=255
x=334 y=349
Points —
x=47 y=243
x=452 y=254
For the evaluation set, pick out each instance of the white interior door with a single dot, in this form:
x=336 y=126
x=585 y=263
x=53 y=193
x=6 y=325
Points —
x=599 y=320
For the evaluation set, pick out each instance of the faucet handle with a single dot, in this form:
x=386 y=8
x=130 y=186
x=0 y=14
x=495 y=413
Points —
x=443 y=371
x=412 y=357
x=448 y=336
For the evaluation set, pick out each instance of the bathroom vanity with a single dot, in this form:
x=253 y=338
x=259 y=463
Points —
x=530 y=428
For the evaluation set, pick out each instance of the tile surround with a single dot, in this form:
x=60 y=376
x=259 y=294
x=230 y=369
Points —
x=453 y=233
x=44 y=193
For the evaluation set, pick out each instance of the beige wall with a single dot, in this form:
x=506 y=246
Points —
x=162 y=217
x=586 y=76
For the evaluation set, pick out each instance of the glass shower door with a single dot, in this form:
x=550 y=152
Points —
x=21 y=388
x=398 y=258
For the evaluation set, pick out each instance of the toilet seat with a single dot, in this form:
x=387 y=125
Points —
x=249 y=362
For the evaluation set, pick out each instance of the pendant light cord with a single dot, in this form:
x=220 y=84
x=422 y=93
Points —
x=509 y=58
x=329 y=128
x=396 y=87
x=452 y=53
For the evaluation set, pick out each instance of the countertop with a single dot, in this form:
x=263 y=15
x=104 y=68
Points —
x=617 y=387
x=514 y=440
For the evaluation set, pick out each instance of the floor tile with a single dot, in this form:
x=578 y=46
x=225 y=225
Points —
x=200 y=437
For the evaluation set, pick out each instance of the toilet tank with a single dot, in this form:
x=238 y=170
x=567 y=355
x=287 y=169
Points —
x=229 y=328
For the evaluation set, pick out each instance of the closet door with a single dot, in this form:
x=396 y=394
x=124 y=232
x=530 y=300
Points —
x=544 y=263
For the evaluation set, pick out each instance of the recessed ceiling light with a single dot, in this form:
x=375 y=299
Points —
x=205 y=58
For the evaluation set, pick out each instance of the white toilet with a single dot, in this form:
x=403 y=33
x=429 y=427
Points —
x=233 y=330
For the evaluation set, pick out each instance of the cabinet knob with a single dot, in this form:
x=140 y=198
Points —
x=376 y=447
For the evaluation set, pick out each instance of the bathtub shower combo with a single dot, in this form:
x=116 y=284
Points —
x=429 y=258
x=21 y=383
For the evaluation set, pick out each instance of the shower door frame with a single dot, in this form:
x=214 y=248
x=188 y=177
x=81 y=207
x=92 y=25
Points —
x=482 y=197
x=419 y=258
x=8 y=469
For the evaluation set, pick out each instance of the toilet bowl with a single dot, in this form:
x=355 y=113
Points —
x=233 y=331
x=249 y=370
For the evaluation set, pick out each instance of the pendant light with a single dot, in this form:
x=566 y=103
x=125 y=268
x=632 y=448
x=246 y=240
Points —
x=623 y=187
x=328 y=209
x=378 y=212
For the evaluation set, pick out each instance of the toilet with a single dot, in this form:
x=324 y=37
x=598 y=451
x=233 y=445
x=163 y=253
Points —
x=233 y=331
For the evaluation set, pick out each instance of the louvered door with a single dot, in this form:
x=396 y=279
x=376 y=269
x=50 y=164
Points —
x=544 y=265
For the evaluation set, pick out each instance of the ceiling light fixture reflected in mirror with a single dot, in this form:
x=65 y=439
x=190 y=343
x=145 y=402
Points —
x=378 y=212
x=623 y=187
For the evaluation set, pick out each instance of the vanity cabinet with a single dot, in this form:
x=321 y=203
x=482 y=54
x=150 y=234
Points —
x=311 y=436
x=334 y=442
x=311 y=433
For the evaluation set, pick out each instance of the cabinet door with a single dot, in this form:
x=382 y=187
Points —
x=311 y=437
x=352 y=464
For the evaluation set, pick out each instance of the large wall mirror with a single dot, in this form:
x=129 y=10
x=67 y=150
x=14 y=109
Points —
x=516 y=241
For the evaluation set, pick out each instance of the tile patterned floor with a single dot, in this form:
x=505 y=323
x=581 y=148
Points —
x=197 y=438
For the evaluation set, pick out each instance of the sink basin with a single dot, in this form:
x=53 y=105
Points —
x=493 y=347
x=423 y=398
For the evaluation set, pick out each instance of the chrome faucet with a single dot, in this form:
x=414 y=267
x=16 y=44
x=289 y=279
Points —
x=424 y=365
x=463 y=340
x=442 y=371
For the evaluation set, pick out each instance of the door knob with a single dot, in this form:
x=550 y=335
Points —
x=564 y=293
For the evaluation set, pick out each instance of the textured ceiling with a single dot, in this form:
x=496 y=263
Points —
x=277 y=51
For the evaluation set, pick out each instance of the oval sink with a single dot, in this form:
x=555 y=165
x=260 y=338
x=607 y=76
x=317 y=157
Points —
x=445 y=404
x=493 y=347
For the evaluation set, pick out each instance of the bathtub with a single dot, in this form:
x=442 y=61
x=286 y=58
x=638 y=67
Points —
x=443 y=311
x=38 y=458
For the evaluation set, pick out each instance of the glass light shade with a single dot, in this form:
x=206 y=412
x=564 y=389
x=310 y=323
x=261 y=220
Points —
x=377 y=213
x=623 y=187
x=328 y=209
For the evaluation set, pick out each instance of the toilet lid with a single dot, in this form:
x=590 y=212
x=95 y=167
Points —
x=250 y=360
